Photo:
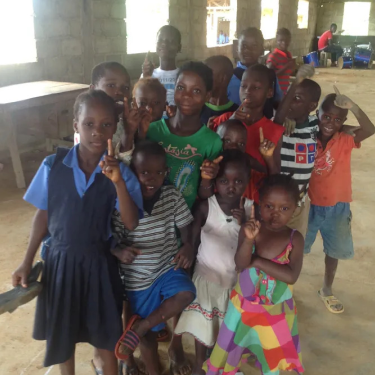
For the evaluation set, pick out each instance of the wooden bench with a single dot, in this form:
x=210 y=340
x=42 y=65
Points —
x=47 y=97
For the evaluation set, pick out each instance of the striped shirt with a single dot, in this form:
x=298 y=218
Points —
x=155 y=236
x=298 y=153
x=279 y=59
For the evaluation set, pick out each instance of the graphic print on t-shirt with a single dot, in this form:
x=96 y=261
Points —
x=324 y=163
x=183 y=175
x=305 y=153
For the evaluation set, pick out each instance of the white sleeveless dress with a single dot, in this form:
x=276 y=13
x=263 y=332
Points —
x=214 y=275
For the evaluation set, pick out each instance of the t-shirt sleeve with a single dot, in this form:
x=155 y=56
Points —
x=182 y=214
x=218 y=120
x=349 y=141
x=37 y=193
x=216 y=147
x=133 y=187
x=271 y=59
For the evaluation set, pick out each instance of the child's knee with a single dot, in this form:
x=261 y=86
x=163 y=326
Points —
x=186 y=297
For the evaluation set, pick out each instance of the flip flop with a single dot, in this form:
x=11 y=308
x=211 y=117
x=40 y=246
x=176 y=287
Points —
x=140 y=368
x=129 y=339
x=97 y=371
x=163 y=335
x=330 y=301
x=11 y=300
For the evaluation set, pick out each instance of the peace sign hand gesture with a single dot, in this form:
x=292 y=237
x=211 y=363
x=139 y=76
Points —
x=148 y=66
x=266 y=147
x=343 y=101
x=210 y=169
x=110 y=166
x=252 y=226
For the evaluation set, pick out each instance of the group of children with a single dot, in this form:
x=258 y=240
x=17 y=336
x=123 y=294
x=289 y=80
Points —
x=196 y=208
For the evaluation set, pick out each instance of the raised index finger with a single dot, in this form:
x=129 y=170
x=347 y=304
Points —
x=147 y=56
x=252 y=214
x=336 y=90
x=218 y=160
x=261 y=136
x=110 y=148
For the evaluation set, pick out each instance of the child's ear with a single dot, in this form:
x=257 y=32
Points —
x=312 y=106
x=92 y=87
x=270 y=93
x=179 y=48
x=75 y=125
x=317 y=113
x=208 y=96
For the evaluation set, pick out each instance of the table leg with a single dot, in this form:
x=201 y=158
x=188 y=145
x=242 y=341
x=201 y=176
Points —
x=13 y=149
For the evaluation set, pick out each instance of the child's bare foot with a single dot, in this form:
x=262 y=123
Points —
x=133 y=366
x=178 y=364
x=197 y=370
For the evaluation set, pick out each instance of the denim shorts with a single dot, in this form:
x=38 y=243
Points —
x=334 y=224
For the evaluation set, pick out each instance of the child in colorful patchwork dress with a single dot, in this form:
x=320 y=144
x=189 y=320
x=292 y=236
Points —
x=261 y=319
x=217 y=222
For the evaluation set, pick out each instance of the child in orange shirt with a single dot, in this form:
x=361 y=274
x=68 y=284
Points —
x=330 y=188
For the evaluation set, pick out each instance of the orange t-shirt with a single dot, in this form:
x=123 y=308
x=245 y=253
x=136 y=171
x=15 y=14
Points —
x=331 y=180
x=271 y=131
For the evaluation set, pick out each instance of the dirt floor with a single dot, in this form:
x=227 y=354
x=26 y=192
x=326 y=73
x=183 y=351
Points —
x=331 y=344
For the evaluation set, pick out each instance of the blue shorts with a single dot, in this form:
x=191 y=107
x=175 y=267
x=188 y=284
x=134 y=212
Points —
x=334 y=224
x=144 y=302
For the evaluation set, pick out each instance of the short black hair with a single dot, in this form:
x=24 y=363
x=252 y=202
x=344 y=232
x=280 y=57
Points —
x=328 y=102
x=313 y=89
x=224 y=62
x=235 y=156
x=99 y=70
x=150 y=148
x=264 y=71
x=252 y=32
x=90 y=95
x=153 y=83
x=333 y=25
x=284 y=181
x=231 y=123
x=201 y=69
x=173 y=29
x=284 y=32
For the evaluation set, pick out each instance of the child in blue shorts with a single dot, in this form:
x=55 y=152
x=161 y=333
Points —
x=153 y=267
x=330 y=189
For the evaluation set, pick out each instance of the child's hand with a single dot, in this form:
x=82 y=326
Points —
x=110 y=166
x=127 y=254
x=305 y=71
x=171 y=110
x=289 y=126
x=343 y=101
x=132 y=117
x=20 y=275
x=266 y=147
x=148 y=66
x=239 y=213
x=185 y=257
x=252 y=226
x=291 y=64
x=145 y=120
x=210 y=123
x=240 y=114
x=210 y=169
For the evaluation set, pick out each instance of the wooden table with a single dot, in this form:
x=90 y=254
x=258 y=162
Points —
x=48 y=96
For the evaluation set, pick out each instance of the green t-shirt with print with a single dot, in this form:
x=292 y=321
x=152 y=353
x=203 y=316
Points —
x=185 y=155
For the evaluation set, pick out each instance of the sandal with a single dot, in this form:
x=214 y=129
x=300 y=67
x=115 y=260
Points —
x=163 y=335
x=129 y=339
x=97 y=371
x=330 y=302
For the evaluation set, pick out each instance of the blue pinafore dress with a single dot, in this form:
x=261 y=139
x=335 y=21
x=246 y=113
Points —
x=81 y=300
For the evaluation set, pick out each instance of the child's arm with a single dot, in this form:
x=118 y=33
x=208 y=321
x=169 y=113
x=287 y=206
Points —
x=200 y=213
x=366 y=127
x=246 y=239
x=38 y=232
x=305 y=71
x=127 y=207
x=287 y=273
x=209 y=171
x=185 y=256
x=267 y=149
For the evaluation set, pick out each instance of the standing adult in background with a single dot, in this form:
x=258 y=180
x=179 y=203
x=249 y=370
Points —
x=325 y=44
x=221 y=39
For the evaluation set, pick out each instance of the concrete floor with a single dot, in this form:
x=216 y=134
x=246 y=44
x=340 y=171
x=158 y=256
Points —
x=331 y=344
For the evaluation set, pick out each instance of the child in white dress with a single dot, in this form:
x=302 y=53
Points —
x=217 y=222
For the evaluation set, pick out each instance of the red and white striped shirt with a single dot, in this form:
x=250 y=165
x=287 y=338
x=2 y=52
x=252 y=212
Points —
x=279 y=59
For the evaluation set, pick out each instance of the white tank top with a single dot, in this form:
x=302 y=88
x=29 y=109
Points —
x=219 y=240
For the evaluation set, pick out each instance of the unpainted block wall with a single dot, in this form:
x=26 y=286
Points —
x=332 y=11
x=74 y=35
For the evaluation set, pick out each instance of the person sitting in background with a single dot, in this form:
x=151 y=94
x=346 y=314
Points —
x=218 y=103
x=221 y=39
x=250 y=49
x=280 y=60
x=325 y=44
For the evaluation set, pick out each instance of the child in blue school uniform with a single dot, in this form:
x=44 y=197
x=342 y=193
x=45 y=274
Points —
x=75 y=192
